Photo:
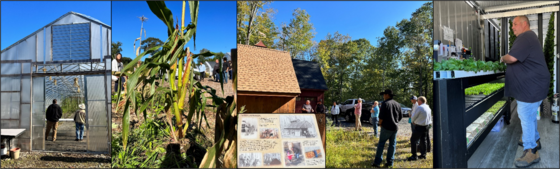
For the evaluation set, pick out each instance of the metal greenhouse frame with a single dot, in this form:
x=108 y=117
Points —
x=68 y=58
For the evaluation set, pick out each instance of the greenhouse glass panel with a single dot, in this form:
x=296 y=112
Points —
x=71 y=42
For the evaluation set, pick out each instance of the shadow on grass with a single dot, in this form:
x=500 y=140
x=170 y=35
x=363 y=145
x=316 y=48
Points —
x=74 y=159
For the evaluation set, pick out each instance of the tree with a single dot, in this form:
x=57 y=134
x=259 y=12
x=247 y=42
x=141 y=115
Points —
x=125 y=60
x=150 y=43
x=115 y=48
x=549 y=52
x=252 y=21
x=298 y=34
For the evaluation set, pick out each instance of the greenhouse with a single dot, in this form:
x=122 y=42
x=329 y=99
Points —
x=67 y=60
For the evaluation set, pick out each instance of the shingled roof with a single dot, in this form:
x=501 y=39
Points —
x=309 y=75
x=265 y=70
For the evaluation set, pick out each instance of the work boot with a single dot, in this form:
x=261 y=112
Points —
x=538 y=144
x=530 y=156
x=412 y=158
x=77 y=139
x=422 y=157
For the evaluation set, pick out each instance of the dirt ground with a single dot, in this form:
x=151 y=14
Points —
x=57 y=160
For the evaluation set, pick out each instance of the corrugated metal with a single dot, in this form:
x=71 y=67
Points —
x=460 y=17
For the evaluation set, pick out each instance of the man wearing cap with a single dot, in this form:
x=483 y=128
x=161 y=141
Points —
x=414 y=102
x=320 y=107
x=527 y=80
x=390 y=115
x=421 y=120
x=80 y=119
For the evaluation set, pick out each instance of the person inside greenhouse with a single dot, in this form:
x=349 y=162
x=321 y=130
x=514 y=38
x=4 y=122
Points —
x=527 y=80
x=225 y=69
x=117 y=66
x=389 y=116
x=80 y=120
x=421 y=120
x=375 y=117
x=54 y=112
x=335 y=110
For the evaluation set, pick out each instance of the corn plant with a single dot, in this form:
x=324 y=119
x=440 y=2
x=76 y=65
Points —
x=173 y=58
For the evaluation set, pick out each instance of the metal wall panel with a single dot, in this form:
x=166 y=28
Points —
x=39 y=109
x=97 y=114
x=460 y=17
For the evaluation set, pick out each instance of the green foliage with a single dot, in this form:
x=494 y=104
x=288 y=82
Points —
x=254 y=23
x=115 y=48
x=486 y=88
x=512 y=36
x=469 y=65
x=150 y=43
x=549 y=52
x=126 y=60
x=494 y=109
x=298 y=34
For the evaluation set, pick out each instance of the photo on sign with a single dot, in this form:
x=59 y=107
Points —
x=313 y=152
x=293 y=153
x=249 y=128
x=297 y=126
x=250 y=159
x=269 y=133
x=272 y=159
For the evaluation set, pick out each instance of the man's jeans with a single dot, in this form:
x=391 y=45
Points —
x=79 y=131
x=230 y=75
x=225 y=76
x=383 y=137
x=527 y=113
x=375 y=122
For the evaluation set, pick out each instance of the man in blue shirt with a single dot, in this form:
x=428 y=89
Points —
x=374 y=117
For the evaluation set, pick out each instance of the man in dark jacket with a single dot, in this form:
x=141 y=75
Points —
x=217 y=70
x=389 y=116
x=54 y=112
x=320 y=107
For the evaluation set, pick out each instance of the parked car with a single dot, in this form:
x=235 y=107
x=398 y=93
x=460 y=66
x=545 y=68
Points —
x=348 y=113
x=406 y=111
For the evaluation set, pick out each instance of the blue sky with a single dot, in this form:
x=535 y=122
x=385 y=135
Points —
x=216 y=24
x=21 y=18
x=356 y=18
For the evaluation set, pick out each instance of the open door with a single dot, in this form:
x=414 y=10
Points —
x=96 y=113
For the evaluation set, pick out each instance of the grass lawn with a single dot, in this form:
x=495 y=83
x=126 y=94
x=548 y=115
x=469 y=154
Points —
x=352 y=149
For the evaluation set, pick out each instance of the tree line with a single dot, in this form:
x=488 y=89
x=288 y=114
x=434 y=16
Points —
x=400 y=60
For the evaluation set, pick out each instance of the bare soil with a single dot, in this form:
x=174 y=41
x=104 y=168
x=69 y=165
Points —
x=57 y=160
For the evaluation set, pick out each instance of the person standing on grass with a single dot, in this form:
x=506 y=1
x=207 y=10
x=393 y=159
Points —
x=389 y=116
x=117 y=66
x=414 y=102
x=421 y=120
x=358 y=114
x=375 y=117
x=54 y=112
x=307 y=107
x=527 y=80
x=80 y=120
x=335 y=110
x=225 y=69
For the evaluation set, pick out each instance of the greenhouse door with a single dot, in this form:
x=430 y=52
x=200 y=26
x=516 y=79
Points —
x=96 y=113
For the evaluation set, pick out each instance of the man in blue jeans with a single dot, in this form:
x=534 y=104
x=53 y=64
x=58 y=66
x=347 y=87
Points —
x=527 y=80
x=389 y=116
